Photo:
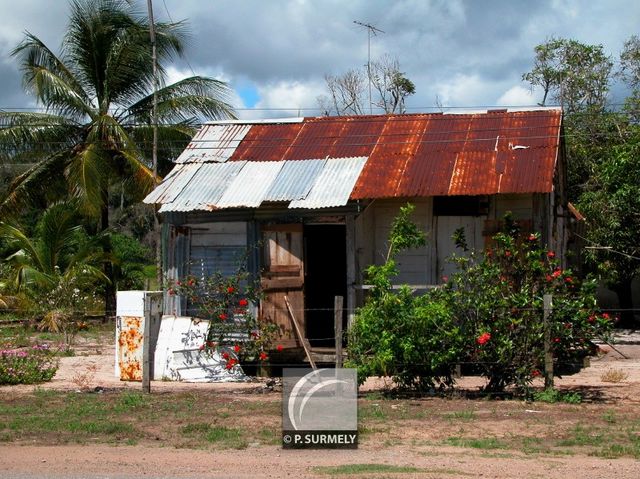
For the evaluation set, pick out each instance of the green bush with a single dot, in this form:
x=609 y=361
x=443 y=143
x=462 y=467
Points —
x=498 y=297
x=21 y=366
x=414 y=339
x=489 y=315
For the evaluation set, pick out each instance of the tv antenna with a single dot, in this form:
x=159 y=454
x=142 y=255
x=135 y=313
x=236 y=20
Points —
x=370 y=30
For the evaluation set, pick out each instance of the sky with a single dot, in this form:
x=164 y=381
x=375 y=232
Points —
x=274 y=54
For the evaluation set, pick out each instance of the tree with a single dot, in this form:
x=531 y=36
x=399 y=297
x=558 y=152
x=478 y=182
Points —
x=601 y=144
x=96 y=130
x=391 y=84
x=59 y=255
x=574 y=74
x=611 y=205
x=348 y=93
x=630 y=73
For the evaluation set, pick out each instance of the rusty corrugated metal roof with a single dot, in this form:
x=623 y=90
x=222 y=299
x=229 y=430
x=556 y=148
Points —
x=424 y=154
x=408 y=156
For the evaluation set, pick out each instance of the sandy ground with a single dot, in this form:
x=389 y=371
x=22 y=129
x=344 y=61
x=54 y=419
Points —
x=96 y=364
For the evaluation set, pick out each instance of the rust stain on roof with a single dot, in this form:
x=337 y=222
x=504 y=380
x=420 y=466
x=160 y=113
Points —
x=423 y=154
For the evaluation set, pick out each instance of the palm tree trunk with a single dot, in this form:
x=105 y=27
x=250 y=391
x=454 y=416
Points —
x=109 y=289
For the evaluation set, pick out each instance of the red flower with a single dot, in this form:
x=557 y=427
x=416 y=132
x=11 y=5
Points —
x=254 y=334
x=171 y=292
x=532 y=237
x=201 y=348
x=483 y=338
x=569 y=279
x=263 y=356
x=279 y=348
x=225 y=355
x=191 y=282
x=549 y=278
x=507 y=253
x=236 y=348
x=592 y=319
x=211 y=344
x=230 y=289
x=243 y=302
x=445 y=279
x=551 y=254
x=556 y=340
x=178 y=283
x=557 y=273
x=535 y=373
x=223 y=317
x=231 y=363
x=606 y=316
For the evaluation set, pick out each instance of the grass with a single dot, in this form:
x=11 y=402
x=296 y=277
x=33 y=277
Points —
x=347 y=469
x=477 y=443
x=466 y=415
x=614 y=376
x=211 y=420
x=554 y=396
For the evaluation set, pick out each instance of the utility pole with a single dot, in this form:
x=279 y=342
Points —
x=371 y=30
x=154 y=125
x=146 y=379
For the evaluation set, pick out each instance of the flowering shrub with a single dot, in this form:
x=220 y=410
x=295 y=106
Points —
x=489 y=314
x=27 y=366
x=498 y=298
x=226 y=301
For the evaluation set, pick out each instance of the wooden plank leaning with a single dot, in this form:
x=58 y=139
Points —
x=303 y=340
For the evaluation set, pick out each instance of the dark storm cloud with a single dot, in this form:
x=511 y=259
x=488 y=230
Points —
x=464 y=52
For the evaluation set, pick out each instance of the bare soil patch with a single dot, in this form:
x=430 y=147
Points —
x=232 y=429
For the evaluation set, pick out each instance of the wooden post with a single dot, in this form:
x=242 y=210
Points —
x=337 y=312
x=351 y=268
x=146 y=346
x=548 y=354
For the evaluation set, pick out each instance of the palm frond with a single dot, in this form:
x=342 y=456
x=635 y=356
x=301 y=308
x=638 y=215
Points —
x=55 y=231
x=39 y=134
x=193 y=97
x=88 y=172
x=49 y=79
x=22 y=246
x=172 y=139
x=40 y=179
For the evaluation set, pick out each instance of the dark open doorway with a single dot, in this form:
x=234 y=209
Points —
x=326 y=278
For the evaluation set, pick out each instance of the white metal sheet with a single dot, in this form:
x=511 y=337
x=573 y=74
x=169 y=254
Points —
x=206 y=187
x=295 y=180
x=334 y=184
x=251 y=184
x=214 y=143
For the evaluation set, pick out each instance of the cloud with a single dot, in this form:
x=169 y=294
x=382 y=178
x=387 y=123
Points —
x=288 y=98
x=518 y=96
x=465 y=52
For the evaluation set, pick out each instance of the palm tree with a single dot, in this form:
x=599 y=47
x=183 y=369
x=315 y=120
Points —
x=96 y=128
x=59 y=253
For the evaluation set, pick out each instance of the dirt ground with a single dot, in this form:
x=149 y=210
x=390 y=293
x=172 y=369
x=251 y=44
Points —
x=93 y=366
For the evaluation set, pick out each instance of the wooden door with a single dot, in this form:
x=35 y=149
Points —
x=283 y=275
